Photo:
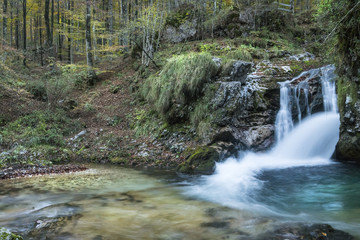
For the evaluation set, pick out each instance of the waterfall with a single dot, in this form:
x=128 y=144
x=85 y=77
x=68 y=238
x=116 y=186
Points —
x=329 y=88
x=284 y=122
x=310 y=143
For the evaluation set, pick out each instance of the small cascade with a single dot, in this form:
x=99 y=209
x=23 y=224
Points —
x=284 y=123
x=291 y=95
x=302 y=87
x=329 y=88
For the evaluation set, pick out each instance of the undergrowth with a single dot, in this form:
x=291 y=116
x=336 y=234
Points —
x=180 y=81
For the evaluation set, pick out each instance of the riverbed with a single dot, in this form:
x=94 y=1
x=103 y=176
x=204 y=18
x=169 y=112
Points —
x=110 y=202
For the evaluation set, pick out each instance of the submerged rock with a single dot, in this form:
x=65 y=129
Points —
x=305 y=232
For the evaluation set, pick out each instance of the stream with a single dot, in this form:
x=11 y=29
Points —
x=107 y=202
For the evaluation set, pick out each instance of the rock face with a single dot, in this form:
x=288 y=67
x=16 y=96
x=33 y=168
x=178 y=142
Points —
x=185 y=31
x=348 y=68
x=243 y=109
x=248 y=102
x=348 y=147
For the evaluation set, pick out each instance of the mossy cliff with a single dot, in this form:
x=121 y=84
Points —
x=348 y=67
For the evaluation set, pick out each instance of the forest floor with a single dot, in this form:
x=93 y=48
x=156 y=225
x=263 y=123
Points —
x=106 y=114
x=109 y=122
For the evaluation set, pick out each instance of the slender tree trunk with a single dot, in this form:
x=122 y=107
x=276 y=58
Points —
x=94 y=34
x=17 y=26
x=31 y=30
x=40 y=35
x=59 y=35
x=69 y=33
x=89 y=58
x=24 y=30
x=47 y=21
x=111 y=22
x=11 y=22
x=52 y=23
x=5 y=21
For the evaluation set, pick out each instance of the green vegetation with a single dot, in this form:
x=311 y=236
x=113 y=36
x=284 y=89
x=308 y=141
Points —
x=7 y=235
x=56 y=84
x=180 y=82
x=37 y=138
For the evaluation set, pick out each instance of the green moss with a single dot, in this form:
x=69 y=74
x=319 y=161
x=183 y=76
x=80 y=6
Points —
x=7 y=235
x=200 y=161
x=346 y=89
x=119 y=160
x=179 y=83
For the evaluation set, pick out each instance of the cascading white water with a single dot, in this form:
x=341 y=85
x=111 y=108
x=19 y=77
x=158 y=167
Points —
x=310 y=143
x=329 y=88
x=284 y=122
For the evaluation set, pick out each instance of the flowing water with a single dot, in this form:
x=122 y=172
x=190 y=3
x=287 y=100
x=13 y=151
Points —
x=294 y=182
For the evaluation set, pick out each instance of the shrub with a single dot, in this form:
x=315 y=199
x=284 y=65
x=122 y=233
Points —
x=241 y=53
x=180 y=82
x=39 y=128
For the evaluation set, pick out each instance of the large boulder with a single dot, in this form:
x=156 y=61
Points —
x=348 y=147
x=200 y=160
x=185 y=31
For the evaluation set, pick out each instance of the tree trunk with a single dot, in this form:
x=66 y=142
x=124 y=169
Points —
x=59 y=35
x=24 y=30
x=24 y=24
x=11 y=22
x=5 y=21
x=17 y=26
x=52 y=23
x=111 y=22
x=40 y=35
x=90 y=64
x=47 y=21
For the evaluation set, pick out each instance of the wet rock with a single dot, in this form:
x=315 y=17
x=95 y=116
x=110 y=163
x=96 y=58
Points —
x=305 y=232
x=302 y=57
x=216 y=224
x=200 y=161
x=236 y=71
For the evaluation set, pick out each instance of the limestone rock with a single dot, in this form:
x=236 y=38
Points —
x=184 y=32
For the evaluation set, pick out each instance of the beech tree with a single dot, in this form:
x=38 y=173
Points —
x=90 y=63
x=58 y=28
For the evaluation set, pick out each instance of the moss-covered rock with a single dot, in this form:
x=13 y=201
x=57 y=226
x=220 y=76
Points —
x=5 y=234
x=199 y=161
